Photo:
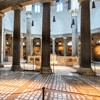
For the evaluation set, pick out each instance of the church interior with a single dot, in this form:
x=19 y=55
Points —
x=49 y=49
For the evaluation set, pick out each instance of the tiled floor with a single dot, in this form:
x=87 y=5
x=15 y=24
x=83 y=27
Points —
x=63 y=85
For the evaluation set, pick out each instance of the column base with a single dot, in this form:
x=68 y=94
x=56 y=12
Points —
x=1 y=65
x=86 y=71
x=46 y=70
x=16 y=68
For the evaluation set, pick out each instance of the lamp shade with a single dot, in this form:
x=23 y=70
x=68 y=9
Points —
x=54 y=20
x=73 y=23
x=57 y=0
x=93 y=4
x=32 y=23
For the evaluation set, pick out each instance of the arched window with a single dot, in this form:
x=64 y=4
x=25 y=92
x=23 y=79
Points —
x=59 y=7
x=37 y=8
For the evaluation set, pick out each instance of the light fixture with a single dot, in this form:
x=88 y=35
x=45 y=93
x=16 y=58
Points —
x=32 y=23
x=54 y=20
x=7 y=42
x=23 y=44
x=59 y=43
x=69 y=4
x=57 y=1
x=69 y=43
x=73 y=23
x=99 y=41
x=37 y=43
x=93 y=4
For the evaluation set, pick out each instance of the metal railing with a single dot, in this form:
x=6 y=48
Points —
x=44 y=90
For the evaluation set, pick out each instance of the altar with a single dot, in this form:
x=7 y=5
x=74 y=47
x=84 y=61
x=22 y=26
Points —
x=54 y=59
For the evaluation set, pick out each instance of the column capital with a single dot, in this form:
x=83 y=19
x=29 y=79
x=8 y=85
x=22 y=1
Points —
x=80 y=1
x=2 y=14
x=23 y=8
x=22 y=37
x=44 y=1
x=28 y=13
x=74 y=12
x=65 y=38
x=17 y=7
x=32 y=37
x=53 y=38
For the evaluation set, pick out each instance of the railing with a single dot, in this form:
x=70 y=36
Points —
x=61 y=60
x=44 y=90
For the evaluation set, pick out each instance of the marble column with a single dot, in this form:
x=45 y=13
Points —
x=85 y=57
x=65 y=46
x=16 y=40
x=28 y=34
x=1 y=34
x=4 y=41
x=74 y=35
x=53 y=45
x=45 y=63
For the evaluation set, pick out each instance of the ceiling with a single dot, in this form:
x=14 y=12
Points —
x=6 y=5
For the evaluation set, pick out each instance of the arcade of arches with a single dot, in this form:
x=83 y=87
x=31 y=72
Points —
x=76 y=46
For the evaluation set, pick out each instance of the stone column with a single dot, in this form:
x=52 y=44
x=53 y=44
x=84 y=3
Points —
x=85 y=58
x=93 y=46
x=41 y=47
x=1 y=34
x=53 y=45
x=74 y=34
x=31 y=46
x=45 y=64
x=3 y=41
x=3 y=46
x=65 y=46
x=21 y=47
x=16 y=40
x=28 y=34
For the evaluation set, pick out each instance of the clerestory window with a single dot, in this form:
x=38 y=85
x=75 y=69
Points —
x=59 y=7
x=37 y=8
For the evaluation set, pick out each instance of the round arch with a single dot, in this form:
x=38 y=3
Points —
x=6 y=6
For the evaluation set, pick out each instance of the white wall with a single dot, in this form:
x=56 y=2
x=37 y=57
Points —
x=37 y=18
x=8 y=20
x=63 y=22
x=61 y=26
x=95 y=16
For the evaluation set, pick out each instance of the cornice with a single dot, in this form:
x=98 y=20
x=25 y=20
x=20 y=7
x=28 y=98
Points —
x=2 y=14
x=80 y=1
x=17 y=7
